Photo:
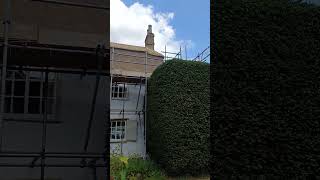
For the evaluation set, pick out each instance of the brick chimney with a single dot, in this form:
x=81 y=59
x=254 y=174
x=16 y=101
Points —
x=149 y=41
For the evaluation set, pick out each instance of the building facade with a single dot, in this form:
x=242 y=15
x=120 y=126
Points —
x=68 y=112
x=50 y=82
x=130 y=68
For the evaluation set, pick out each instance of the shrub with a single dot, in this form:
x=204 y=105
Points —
x=266 y=88
x=145 y=168
x=178 y=117
x=134 y=168
x=116 y=166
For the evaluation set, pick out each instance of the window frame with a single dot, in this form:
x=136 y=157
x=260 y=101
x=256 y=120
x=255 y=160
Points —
x=11 y=77
x=125 y=129
x=116 y=85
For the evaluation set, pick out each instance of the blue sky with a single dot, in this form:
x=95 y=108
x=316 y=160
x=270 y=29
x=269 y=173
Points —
x=191 y=21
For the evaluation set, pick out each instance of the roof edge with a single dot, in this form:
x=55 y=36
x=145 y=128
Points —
x=135 y=48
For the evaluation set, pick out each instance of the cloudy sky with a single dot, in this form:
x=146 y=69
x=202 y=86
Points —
x=175 y=23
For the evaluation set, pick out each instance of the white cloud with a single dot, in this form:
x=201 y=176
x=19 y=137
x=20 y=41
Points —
x=129 y=26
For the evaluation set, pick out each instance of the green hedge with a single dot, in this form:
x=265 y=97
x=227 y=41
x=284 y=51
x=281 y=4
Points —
x=266 y=80
x=178 y=117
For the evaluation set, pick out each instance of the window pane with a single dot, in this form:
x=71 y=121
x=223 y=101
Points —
x=115 y=92
x=50 y=89
x=19 y=88
x=50 y=106
x=8 y=87
x=35 y=75
x=34 y=105
x=18 y=105
x=19 y=75
x=51 y=76
x=117 y=129
x=125 y=93
x=34 y=89
x=9 y=74
x=7 y=105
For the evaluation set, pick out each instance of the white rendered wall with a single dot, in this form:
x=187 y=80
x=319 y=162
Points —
x=130 y=106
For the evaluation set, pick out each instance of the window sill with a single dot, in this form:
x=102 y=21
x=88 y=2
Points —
x=35 y=117
x=119 y=141
x=121 y=99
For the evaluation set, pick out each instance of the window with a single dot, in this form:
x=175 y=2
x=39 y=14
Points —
x=118 y=129
x=25 y=90
x=119 y=91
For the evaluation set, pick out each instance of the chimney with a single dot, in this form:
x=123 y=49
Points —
x=149 y=41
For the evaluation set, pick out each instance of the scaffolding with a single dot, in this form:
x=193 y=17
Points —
x=172 y=55
x=141 y=80
x=202 y=56
x=98 y=68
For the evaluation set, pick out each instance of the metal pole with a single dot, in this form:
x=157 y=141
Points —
x=135 y=62
x=72 y=4
x=165 y=52
x=57 y=156
x=123 y=102
x=51 y=165
x=138 y=95
x=185 y=48
x=4 y=66
x=99 y=61
x=44 y=125
x=91 y=154
x=50 y=49
x=56 y=70
x=145 y=105
x=111 y=85
x=111 y=75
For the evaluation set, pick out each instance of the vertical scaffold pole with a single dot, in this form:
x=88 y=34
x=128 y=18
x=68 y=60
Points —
x=145 y=104
x=6 y=24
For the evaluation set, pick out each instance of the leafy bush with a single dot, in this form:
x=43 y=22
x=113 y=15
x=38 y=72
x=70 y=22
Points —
x=178 y=117
x=146 y=168
x=266 y=88
x=134 y=168
x=116 y=166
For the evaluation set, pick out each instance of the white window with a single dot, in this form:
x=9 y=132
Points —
x=24 y=92
x=119 y=91
x=118 y=129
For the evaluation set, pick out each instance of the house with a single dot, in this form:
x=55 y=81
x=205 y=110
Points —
x=130 y=68
x=57 y=90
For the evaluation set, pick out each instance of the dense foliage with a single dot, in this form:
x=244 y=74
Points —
x=266 y=80
x=134 y=168
x=178 y=117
